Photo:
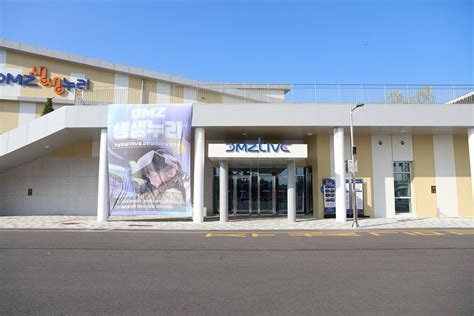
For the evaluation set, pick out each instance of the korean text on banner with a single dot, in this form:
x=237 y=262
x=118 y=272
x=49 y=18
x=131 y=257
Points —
x=149 y=154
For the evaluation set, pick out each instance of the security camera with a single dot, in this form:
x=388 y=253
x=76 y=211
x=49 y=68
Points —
x=380 y=143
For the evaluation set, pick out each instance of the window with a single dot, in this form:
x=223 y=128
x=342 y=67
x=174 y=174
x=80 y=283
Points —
x=402 y=185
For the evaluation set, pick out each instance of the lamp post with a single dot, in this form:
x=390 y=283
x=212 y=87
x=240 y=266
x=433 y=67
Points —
x=352 y=170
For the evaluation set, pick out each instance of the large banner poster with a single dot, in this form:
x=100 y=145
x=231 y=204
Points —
x=149 y=159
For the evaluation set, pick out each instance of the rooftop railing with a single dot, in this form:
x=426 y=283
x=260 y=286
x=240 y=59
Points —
x=294 y=93
x=376 y=93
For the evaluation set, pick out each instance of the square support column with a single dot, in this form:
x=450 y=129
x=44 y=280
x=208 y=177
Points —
x=103 y=186
x=223 y=192
x=339 y=174
x=198 y=181
x=291 y=191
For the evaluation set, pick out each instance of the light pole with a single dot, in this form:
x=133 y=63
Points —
x=352 y=170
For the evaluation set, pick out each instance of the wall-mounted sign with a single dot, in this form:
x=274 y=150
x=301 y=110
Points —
x=40 y=74
x=259 y=150
x=258 y=147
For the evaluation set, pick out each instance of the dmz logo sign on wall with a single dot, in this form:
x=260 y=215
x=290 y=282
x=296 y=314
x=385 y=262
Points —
x=41 y=73
x=259 y=147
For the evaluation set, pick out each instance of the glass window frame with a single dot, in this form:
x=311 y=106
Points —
x=409 y=196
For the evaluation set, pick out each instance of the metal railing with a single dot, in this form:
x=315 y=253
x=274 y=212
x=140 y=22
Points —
x=376 y=93
x=294 y=93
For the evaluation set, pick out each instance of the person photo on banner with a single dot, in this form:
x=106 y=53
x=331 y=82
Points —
x=162 y=177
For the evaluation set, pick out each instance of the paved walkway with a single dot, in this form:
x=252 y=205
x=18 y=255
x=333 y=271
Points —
x=239 y=224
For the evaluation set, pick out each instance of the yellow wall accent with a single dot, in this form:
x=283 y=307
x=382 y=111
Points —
x=177 y=93
x=311 y=161
x=100 y=78
x=463 y=176
x=319 y=160
x=206 y=96
x=9 y=112
x=134 y=90
x=423 y=201
x=364 y=164
x=79 y=149
x=149 y=91
x=322 y=170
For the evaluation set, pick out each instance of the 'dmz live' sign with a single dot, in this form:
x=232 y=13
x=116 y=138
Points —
x=39 y=75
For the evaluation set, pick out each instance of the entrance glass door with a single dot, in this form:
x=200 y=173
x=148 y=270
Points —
x=242 y=194
x=265 y=191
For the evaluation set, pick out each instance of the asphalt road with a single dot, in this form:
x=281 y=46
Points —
x=187 y=273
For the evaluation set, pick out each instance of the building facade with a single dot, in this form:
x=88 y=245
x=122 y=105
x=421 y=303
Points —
x=414 y=158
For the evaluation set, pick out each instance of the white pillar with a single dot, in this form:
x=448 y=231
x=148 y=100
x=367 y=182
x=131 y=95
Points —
x=223 y=192
x=339 y=174
x=103 y=188
x=198 y=181
x=291 y=191
x=470 y=140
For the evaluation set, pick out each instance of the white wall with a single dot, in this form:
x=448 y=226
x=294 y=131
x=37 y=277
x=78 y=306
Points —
x=402 y=148
x=392 y=148
x=382 y=168
x=163 y=93
x=445 y=172
x=27 y=112
x=189 y=95
x=61 y=186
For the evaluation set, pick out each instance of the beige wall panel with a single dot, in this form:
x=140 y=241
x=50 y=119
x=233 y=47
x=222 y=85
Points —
x=423 y=176
x=134 y=90
x=323 y=166
x=364 y=164
x=206 y=96
x=79 y=149
x=311 y=161
x=149 y=91
x=463 y=176
x=100 y=79
x=9 y=112
x=319 y=160
x=177 y=93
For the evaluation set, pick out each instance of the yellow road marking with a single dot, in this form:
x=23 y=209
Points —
x=256 y=235
x=237 y=235
x=322 y=234
x=378 y=234
x=461 y=233
x=424 y=233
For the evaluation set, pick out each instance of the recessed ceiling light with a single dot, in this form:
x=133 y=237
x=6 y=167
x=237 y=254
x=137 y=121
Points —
x=46 y=146
x=309 y=134
x=402 y=131
x=244 y=134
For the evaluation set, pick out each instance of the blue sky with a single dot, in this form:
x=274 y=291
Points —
x=404 y=41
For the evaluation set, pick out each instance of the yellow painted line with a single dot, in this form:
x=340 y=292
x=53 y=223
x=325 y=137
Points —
x=424 y=233
x=461 y=233
x=322 y=234
x=256 y=235
x=378 y=234
x=236 y=235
